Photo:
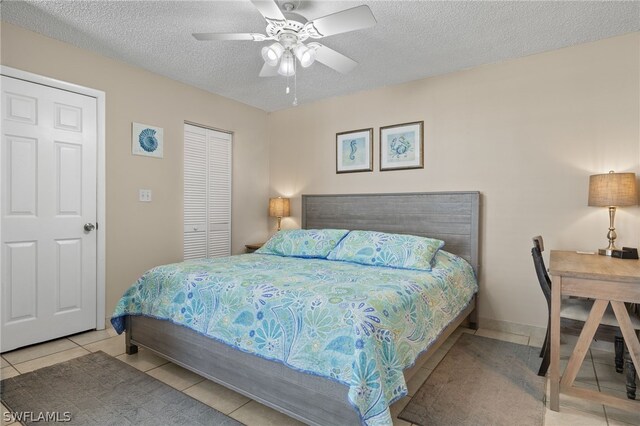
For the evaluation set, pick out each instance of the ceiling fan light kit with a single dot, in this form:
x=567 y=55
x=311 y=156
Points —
x=287 y=66
x=305 y=54
x=290 y=34
x=272 y=54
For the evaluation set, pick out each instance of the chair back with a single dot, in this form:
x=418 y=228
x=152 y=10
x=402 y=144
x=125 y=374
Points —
x=538 y=242
x=541 y=270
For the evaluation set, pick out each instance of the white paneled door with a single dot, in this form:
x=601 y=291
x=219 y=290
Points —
x=48 y=160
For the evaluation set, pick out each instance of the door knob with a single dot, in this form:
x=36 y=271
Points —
x=89 y=227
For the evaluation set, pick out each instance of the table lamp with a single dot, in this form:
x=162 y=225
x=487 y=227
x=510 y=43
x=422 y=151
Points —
x=612 y=190
x=279 y=207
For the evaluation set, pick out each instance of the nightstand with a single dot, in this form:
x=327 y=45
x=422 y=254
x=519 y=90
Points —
x=253 y=247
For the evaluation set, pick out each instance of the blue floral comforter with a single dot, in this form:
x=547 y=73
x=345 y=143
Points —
x=359 y=325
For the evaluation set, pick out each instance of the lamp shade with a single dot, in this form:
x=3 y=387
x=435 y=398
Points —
x=613 y=190
x=279 y=207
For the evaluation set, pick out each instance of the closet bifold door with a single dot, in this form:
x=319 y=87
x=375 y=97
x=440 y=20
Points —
x=207 y=193
x=219 y=198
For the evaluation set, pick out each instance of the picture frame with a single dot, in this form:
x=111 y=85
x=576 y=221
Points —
x=354 y=151
x=147 y=140
x=402 y=146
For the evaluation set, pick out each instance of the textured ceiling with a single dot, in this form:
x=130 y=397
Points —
x=412 y=39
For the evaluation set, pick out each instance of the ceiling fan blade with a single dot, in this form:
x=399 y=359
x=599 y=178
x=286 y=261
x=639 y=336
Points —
x=269 y=9
x=352 y=19
x=333 y=59
x=268 y=71
x=228 y=36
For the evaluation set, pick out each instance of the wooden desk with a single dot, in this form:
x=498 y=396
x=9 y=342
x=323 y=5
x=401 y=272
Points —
x=607 y=280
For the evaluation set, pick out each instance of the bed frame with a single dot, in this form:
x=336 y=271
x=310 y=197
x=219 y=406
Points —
x=451 y=216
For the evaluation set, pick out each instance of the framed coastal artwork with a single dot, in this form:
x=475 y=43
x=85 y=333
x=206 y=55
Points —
x=354 y=151
x=147 y=140
x=402 y=146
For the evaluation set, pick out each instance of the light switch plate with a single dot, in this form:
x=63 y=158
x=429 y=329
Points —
x=144 y=195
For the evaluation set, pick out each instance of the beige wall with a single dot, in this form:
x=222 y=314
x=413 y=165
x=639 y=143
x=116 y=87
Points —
x=527 y=133
x=143 y=235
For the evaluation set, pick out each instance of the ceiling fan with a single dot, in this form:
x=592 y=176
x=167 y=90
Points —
x=290 y=33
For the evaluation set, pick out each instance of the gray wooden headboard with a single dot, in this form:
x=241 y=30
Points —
x=453 y=217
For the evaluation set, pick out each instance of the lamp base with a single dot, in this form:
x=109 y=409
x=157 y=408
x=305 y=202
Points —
x=611 y=235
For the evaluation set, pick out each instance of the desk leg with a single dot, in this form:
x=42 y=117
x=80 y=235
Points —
x=554 y=374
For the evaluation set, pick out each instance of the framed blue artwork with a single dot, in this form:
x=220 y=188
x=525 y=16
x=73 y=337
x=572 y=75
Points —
x=147 y=140
x=354 y=151
x=402 y=146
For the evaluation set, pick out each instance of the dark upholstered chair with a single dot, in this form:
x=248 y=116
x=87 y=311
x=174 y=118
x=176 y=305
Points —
x=575 y=309
x=545 y=286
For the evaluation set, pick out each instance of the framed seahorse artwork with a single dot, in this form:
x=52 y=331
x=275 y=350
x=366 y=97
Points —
x=402 y=146
x=147 y=140
x=354 y=151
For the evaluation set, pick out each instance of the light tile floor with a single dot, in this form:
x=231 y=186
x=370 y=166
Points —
x=597 y=372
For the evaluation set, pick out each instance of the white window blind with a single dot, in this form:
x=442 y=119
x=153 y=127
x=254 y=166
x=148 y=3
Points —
x=207 y=193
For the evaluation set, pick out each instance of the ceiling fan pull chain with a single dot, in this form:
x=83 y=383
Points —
x=295 y=83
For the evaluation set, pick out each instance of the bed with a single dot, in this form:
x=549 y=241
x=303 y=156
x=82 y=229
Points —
x=302 y=381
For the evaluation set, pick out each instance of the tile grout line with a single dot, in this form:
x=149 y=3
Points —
x=77 y=345
x=186 y=389
x=240 y=407
x=7 y=361
x=51 y=354
x=150 y=370
x=42 y=356
x=226 y=414
x=15 y=369
x=161 y=365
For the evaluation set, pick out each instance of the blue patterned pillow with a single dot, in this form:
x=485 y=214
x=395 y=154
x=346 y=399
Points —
x=316 y=243
x=392 y=250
